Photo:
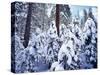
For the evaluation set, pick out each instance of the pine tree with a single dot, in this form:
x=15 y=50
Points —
x=85 y=15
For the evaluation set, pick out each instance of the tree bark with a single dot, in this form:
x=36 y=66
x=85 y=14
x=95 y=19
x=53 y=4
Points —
x=57 y=18
x=28 y=25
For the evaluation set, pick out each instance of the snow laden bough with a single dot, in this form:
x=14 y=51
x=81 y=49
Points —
x=43 y=49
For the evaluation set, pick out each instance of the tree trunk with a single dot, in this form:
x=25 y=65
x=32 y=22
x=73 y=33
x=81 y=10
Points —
x=57 y=18
x=28 y=25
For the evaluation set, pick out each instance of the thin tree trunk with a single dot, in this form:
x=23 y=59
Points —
x=28 y=25
x=57 y=18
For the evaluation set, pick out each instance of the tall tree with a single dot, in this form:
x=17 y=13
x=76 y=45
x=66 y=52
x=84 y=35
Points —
x=57 y=18
x=66 y=10
x=28 y=25
x=90 y=14
x=85 y=15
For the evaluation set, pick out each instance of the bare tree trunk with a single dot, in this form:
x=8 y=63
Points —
x=57 y=18
x=28 y=25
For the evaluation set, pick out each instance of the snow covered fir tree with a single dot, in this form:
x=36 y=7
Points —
x=53 y=37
